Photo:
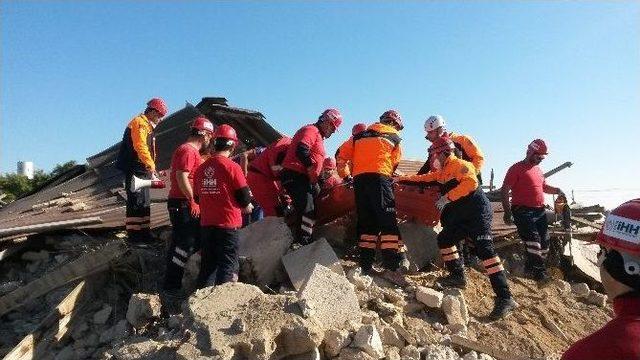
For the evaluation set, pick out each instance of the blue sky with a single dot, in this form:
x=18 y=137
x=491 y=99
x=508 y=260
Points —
x=74 y=73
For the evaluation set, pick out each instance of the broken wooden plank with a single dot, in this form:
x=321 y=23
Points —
x=586 y=222
x=50 y=226
x=486 y=349
x=83 y=266
x=26 y=349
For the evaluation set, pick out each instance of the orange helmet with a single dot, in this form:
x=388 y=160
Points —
x=158 y=105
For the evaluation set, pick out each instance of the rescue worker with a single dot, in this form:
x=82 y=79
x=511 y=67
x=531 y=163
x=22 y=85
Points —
x=263 y=176
x=465 y=147
x=375 y=154
x=222 y=192
x=329 y=177
x=136 y=157
x=619 y=262
x=465 y=212
x=184 y=212
x=301 y=167
x=527 y=185
x=344 y=166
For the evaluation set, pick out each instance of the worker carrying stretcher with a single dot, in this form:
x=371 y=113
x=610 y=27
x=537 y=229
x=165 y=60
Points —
x=465 y=212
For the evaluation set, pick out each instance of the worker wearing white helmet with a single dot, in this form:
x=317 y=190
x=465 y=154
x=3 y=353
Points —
x=466 y=147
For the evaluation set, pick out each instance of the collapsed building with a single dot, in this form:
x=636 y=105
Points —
x=71 y=288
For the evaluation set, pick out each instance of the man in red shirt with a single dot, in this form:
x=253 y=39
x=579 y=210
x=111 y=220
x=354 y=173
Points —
x=527 y=185
x=184 y=212
x=619 y=262
x=301 y=167
x=262 y=176
x=221 y=190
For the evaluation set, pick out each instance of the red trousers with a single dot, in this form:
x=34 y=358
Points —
x=265 y=191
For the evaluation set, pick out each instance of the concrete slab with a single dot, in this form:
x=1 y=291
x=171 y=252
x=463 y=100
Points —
x=331 y=299
x=262 y=244
x=421 y=244
x=300 y=263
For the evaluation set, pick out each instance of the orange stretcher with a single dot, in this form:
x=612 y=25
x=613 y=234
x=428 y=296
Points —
x=413 y=203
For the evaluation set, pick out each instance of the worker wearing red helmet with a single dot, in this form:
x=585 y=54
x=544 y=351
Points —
x=263 y=176
x=136 y=157
x=344 y=166
x=301 y=167
x=619 y=262
x=221 y=190
x=184 y=212
x=465 y=213
x=329 y=177
x=527 y=185
x=466 y=148
x=375 y=154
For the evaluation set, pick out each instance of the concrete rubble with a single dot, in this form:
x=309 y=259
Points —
x=142 y=309
x=300 y=263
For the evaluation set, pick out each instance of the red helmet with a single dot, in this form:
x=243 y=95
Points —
x=538 y=146
x=333 y=116
x=329 y=164
x=227 y=132
x=358 y=128
x=158 y=105
x=393 y=116
x=441 y=144
x=201 y=123
x=621 y=229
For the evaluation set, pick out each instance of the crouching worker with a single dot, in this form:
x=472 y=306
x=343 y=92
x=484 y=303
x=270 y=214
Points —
x=184 y=212
x=223 y=195
x=465 y=212
x=619 y=262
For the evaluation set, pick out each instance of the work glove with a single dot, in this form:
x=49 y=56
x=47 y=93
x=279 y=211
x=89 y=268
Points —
x=442 y=202
x=248 y=209
x=194 y=208
x=508 y=219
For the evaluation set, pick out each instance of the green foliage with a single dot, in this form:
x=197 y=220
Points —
x=15 y=186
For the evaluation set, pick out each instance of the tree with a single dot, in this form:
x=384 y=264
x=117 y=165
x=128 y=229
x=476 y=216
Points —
x=15 y=186
x=62 y=168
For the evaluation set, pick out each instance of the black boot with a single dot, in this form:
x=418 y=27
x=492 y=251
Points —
x=453 y=280
x=502 y=307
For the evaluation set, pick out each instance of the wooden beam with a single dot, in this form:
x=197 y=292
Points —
x=26 y=349
x=486 y=349
x=87 y=264
x=50 y=226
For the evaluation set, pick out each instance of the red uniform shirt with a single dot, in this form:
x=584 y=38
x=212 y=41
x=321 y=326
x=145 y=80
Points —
x=526 y=182
x=215 y=184
x=185 y=158
x=618 y=339
x=310 y=136
x=269 y=162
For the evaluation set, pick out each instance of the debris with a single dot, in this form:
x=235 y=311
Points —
x=440 y=352
x=393 y=353
x=102 y=316
x=368 y=339
x=422 y=247
x=430 y=297
x=580 y=289
x=335 y=340
x=596 y=298
x=554 y=328
x=562 y=286
x=49 y=226
x=350 y=353
x=584 y=257
x=390 y=337
x=332 y=298
x=301 y=262
x=143 y=308
x=360 y=281
x=42 y=255
x=479 y=347
x=454 y=308
x=410 y=352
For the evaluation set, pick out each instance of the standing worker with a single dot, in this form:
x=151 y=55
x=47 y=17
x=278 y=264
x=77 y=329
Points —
x=136 y=157
x=375 y=154
x=263 y=176
x=223 y=195
x=466 y=212
x=184 y=212
x=527 y=185
x=465 y=147
x=619 y=262
x=301 y=167
x=344 y=166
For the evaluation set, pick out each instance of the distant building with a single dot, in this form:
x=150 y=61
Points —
x=25 y=168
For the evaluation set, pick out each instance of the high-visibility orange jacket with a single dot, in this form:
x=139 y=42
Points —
x=458 y=174
x=468 y=149
x=138 y=147
x=343 y=165
x=375 y=150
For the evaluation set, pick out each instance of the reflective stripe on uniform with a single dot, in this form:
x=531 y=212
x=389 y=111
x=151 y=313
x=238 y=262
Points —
x=181 y=252
x=494 y=269
x=368 y=241
x=306 y=229
x=178 y=262
x=533 y=244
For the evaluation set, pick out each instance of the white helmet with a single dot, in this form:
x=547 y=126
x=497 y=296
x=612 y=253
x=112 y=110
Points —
x=433 y=122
